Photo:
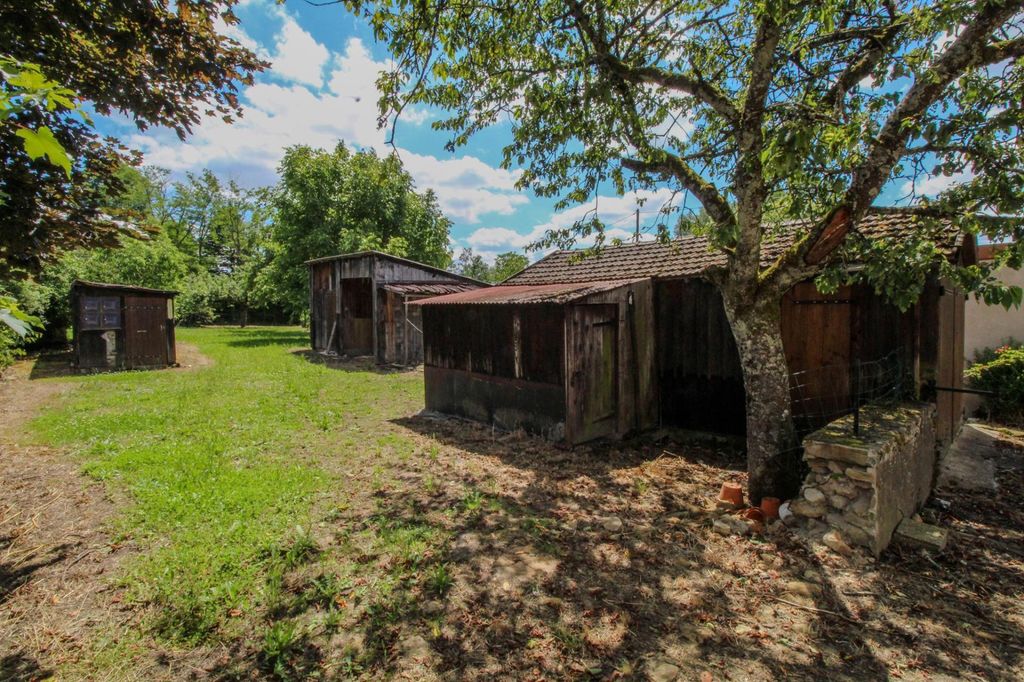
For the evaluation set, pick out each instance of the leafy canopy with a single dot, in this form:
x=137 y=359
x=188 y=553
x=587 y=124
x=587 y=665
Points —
x=158 y=63
x=331 y=202
x=757 y=111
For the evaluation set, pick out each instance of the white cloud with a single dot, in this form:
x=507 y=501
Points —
x=935 y=184
x=298 y=56
x=616 y=212
x=304 y=107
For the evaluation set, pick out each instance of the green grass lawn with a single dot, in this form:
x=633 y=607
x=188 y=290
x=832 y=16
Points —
x=279 y=518
x=216 y=467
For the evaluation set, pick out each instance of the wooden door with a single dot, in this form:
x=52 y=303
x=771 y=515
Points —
x=817 y=333
x=594 y=390
x=145 y=331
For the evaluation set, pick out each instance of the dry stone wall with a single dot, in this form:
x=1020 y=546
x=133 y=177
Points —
x=863 y=485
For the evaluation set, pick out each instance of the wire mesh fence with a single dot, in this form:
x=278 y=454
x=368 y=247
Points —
x=824 y=394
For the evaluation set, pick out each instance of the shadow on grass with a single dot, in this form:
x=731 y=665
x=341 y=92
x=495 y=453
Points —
x=262 y=336
x=53 y=365
x=499 y=556
x=18 y=667
x=14 y=574
x=363 y=363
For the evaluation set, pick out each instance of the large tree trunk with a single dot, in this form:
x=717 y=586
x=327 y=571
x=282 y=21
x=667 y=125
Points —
x=773 y=458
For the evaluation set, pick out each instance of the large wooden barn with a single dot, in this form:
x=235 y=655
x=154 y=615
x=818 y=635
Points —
x=121 y=327
x=359 y=304
x=611 y=344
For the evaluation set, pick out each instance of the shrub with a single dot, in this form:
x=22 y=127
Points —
x=1004 y=377
x=983 y=355
x=10 y=348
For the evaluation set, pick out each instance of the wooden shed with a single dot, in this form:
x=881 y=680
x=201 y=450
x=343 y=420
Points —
x=838 y=347
x=572 y=361
x=122 y=327
x=360 y=304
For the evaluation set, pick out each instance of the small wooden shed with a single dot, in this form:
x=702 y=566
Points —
x=359 y=304
x=572 y=361
x=116 y=326
x=677 y=363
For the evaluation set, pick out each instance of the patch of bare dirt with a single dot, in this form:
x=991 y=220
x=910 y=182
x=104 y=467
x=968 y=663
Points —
x=189 y=356
x=55 y=558
x=602 y=563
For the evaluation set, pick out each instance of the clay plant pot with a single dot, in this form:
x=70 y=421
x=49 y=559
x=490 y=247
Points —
x=731 y=493
x=754 y=514
x=770 y=507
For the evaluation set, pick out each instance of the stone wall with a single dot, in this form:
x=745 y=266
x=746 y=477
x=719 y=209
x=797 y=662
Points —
x=863 y=486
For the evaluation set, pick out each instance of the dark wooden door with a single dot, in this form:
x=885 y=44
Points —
x=817 y=332
x=595 y=387
x=145 y=331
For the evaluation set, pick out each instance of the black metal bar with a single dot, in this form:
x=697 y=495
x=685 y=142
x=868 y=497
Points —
x=856 y=397
x=973 y=391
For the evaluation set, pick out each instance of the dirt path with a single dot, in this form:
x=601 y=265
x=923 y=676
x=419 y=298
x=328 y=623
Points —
x=57 y=560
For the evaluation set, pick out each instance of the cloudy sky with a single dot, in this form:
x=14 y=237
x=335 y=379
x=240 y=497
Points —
x=320 y=90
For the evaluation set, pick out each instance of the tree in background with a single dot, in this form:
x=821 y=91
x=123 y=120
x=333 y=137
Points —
x=758 y=110
x=508 y=264
x=473 y=265
x=331 y=202
x=158 y=63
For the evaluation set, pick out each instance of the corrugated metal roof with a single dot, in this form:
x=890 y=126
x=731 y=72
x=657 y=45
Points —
x=428 y=288
x=543 y=293
x=692 y=256
x=122 y=287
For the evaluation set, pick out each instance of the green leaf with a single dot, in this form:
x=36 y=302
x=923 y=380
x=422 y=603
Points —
x=43 y=143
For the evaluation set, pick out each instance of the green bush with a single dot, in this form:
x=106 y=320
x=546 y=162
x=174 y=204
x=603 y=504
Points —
x=10 y=348
x=988 y=354
x=1004 y=377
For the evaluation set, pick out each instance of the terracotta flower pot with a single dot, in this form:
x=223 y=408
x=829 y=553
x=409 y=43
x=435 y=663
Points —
x=754 y=514
x=770 y=507
x=731 y=493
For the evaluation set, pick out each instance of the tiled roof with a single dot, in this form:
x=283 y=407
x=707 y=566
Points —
x=428 y=288
x=541 y=293
x=691 y=256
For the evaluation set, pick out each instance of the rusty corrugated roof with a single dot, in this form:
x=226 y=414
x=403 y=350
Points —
x=691 y=256
x=428 y=288
x=541 y=293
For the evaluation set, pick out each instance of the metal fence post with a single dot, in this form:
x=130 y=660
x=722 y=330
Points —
x=855 y=391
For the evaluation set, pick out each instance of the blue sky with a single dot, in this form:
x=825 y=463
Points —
x=320 y=90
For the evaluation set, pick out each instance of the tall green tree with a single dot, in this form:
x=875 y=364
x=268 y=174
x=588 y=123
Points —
x=473 y=265
x=331 y=202
x=755 y=108
x=159 y=63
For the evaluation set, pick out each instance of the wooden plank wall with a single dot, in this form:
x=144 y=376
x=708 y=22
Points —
x=636 y=378
x=699 y=374
x=701 y=380
x=498 y=364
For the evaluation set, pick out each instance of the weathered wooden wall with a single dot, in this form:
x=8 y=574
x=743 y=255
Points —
x=122 y=329
x=347 y=296
x=500 y=364
x=699 y=375
x=611 y=364
x=701 y=381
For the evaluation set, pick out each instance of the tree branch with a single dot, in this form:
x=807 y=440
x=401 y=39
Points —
x=694 y=86
x=970 y=50
x=672 y=166
x=749 y=178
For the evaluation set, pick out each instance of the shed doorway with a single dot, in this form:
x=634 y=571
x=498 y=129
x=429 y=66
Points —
x=145 y=342
x=357 y=316
x=594 y=384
